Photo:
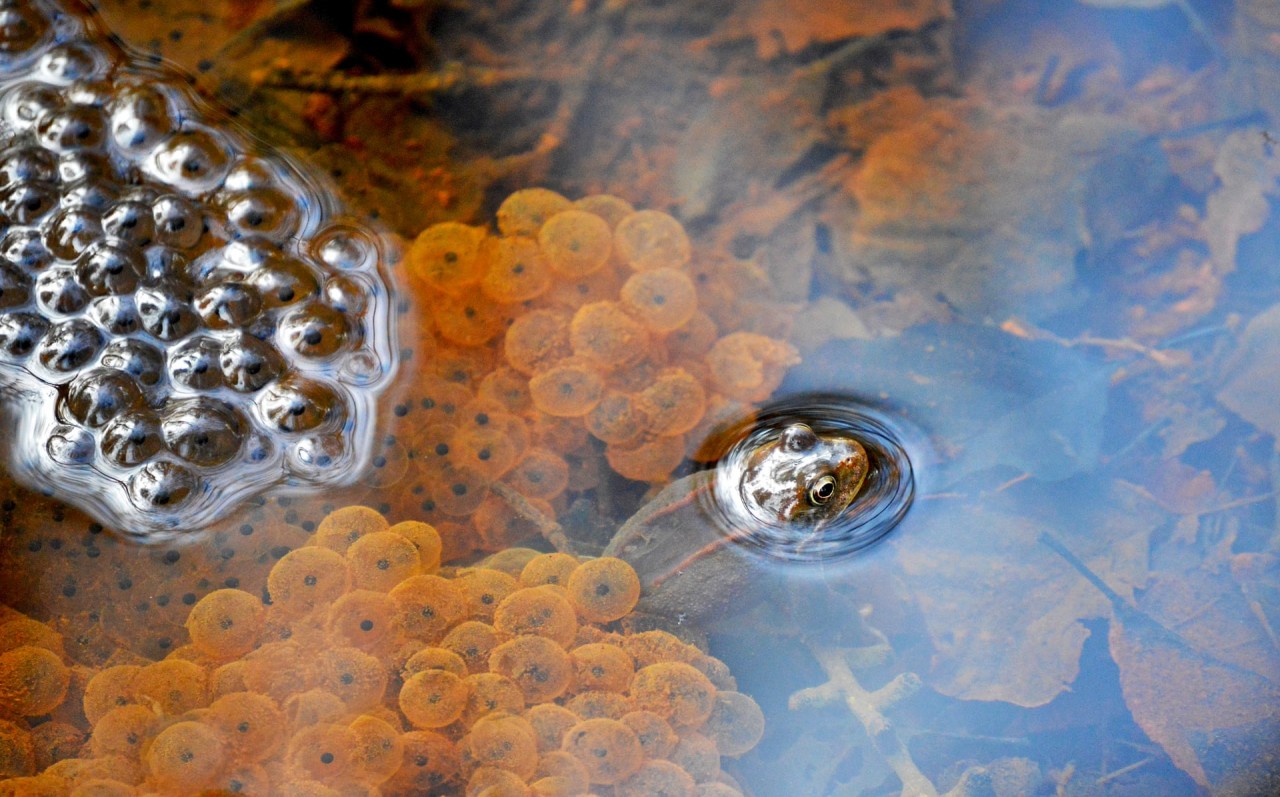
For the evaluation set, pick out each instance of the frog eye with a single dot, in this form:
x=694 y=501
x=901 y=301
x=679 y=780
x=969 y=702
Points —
x=822 y=490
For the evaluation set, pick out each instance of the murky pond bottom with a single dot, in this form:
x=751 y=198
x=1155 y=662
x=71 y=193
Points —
x=1030 y=238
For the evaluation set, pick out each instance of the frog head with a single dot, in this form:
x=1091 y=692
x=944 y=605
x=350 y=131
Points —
x=803 y=477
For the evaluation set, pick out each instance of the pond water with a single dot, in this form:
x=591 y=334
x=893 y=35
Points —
x=558 y=260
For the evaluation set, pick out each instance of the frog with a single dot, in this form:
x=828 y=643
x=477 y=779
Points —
x=682 y=542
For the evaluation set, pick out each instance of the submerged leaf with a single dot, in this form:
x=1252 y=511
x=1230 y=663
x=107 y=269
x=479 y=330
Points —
x=1252 y=382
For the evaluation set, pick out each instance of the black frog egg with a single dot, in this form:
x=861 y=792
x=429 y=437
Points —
x=70 y=445
x=25 y=164
x=67 y=346
x=25 y=248
x=132 y=438
x=26 y=104
x=314 y=330
x=71 y=231
x=203 y=431
x=130 y=220
x=21 y=28
x=161 y=485
x=111 y=267
x=318 y=454
x=347 y=294
x=142 y=361
x=295 y=404
x=118 y=315
x=72 y=128
x=344 y=248
x=27 y=202
x=15 y=286
x=97 y=193
x=166 y=310
x=83 y=165
x=164 y=263
x=249 y=364
x=193 y=161
x=267 y=212
x=19 y=334
x=59 y=292
x=71 y=62
x=228 y=303
x=178 y=222
x=98 y=395
x=284 y=281
x=139 y=119
x=194 y=364
x=93 y=91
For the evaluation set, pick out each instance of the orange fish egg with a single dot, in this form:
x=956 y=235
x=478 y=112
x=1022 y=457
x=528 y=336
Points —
x=525 y=211
x=380 y=560
x=124 y=731
x=305 y=578
x=674 y=691
x=655 y=734
x=226 y=623
x=433 y=698
x=594 y=703
x=313 y=707
x=483 y=589
x=340 y=528
x=434 y=659
x=697 y=755
x=537 y=339
x=172 y=687
x=495 y=782
x=306 y=788
x=428 y=763
x=242 y=779
x=548 y=568
x=606 y=336
x=617 y=419
x=379 y=750
x=604 y=589
x=33 y=681
x=650 y=239
x=388 y=465
x=504 y=742
x=571 y=776
x=507 y=388
x=185 y=757
x=562 y=435
x=516 y=270
x=425 y=539
x=570 y=294
x=736 y=724
x=608 y=750
x=109 y=688
x=658 y=778
x=569 y=389
x=539 y=610
x=694 y=338
x=445 y=257
x=459 y=490
x=473 y=641
x=576 y=243
x=490 y=692
x=469 y=320
x=489 y=450
x=650 y=461
x=673 y=404
x=428 y=606
x=550 y=723
x=610 y=208
x=366 y=620
x=749 y=367
x=538 y=665
x=326 y=752
x=277 y=669
x=602 y=667
x=433 y=399
x=23 y=631
x=251 y=724
x=541 y=473
x=664 y=299
x=353 y=675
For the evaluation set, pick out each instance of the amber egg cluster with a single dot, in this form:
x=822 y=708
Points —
x=186 y=319
x=369 y=669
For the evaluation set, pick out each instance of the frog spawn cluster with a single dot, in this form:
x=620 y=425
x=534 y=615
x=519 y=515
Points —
x=600 y=316
x=181 y=316
x=372 y=670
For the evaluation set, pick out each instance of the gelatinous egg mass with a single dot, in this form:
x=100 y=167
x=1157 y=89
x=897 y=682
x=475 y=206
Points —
x=185 y=318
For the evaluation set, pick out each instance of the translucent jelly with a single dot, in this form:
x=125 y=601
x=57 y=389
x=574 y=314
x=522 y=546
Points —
x=185 y=317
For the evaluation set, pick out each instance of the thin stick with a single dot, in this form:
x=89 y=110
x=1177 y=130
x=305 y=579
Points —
x=551 y=531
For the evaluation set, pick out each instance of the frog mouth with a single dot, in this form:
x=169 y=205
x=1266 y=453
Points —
x=879 y=503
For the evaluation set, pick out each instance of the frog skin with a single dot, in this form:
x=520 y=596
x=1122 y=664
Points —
x=687 y=565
